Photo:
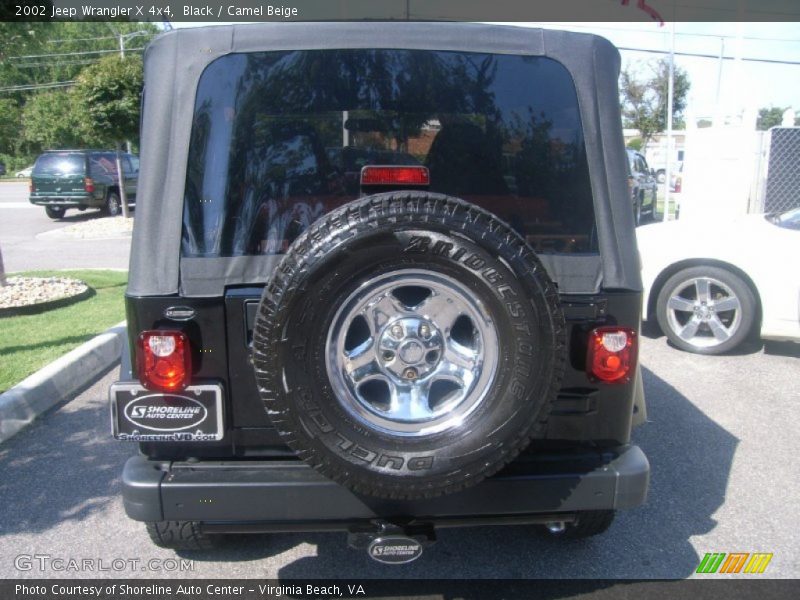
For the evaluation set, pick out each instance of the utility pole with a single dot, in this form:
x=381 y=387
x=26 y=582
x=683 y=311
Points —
x=123 y=196
x=670 y=94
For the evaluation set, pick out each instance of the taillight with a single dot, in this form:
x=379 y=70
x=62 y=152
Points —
x=611 y=356
x=31 y=187
x=678 y=185
x=164 y=360
x=88 y=184
x=380 y=175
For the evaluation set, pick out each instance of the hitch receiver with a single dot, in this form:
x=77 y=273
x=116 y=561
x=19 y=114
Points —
x=392 y=544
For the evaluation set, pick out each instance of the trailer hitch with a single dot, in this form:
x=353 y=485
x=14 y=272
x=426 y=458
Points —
x=391 y=543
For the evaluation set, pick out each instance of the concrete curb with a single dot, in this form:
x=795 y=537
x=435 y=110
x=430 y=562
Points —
x=55 y=382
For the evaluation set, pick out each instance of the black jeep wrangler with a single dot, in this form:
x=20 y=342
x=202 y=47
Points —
x=384 y=279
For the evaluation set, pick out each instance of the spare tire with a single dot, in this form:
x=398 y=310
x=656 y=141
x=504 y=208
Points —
x=409 y=345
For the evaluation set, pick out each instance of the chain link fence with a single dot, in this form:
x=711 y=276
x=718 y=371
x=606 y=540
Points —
x=778 y=187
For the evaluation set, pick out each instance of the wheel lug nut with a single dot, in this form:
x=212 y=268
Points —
x=424 y=331
x=410 y=373
x=397 y=331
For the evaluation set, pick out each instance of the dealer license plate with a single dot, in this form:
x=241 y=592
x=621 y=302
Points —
x=192 y=415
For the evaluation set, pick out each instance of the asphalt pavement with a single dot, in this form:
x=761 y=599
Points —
x=721 y=438
x=21 y=224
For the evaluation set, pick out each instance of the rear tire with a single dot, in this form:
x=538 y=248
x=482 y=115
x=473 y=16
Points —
x=589 y=523
x=113 y=205
x=55 y=212
x=179 y=535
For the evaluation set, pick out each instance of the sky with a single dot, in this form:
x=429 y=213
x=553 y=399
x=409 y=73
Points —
x=740 y=85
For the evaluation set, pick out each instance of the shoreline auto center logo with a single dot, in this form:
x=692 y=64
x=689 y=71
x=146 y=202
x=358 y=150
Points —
x=165 y=412
x=736 y=562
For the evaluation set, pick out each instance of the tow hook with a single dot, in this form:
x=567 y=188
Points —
x=392 y=544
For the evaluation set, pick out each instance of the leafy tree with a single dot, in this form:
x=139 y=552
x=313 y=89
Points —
x=40 y=54
x=636 y=144
x=51 y=120
x=46 y=52
x=644 y=101
x=9 y=124
x=109 y=94
x=772 y=117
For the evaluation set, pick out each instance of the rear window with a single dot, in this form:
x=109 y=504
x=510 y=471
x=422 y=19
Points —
x=279 y=139
x=103 y=163
x=60 y=163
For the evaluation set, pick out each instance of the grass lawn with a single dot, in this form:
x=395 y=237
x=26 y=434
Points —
x=29 y=342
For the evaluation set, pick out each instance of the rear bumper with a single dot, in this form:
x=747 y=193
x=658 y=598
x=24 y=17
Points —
x=63 y=200
x=288 y=495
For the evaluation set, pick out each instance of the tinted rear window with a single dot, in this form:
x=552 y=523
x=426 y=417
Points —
x=279 y=139
x=103 y=163
x=60 y=163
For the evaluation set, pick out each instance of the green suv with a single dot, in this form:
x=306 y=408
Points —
x=82 y=179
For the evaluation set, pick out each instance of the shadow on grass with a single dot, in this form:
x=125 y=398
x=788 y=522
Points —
x=74 y=339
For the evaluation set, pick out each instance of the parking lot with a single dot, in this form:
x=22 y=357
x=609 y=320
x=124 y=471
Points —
x=721 y=441
x=30 y=240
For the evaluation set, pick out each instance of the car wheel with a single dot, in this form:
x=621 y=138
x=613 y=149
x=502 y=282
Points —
x=706 y=310
x=409 y=345
x=661 y=176
x=637 y=211
x=113 y=205
x=587 y=524
x=179 y=535
x=54 y=212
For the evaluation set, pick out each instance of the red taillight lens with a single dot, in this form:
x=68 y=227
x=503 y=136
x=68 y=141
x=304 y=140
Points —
x=164 y=360
x=611 y=356
x=88 y=185
x=678 y=184
x=31 y=187
x=375 y=175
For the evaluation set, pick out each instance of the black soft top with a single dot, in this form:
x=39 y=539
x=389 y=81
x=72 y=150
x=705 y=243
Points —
x=175 y=61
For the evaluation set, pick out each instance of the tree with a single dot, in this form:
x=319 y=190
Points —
x=51 y=120
x=644 y=101
x=772 y=117
x=636 y=144
x=45 y=53
x=769 y=117
x=109 y=94
x=9 y=124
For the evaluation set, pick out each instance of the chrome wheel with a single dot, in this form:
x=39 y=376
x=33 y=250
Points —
x=411 y=353
x=703 y=312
